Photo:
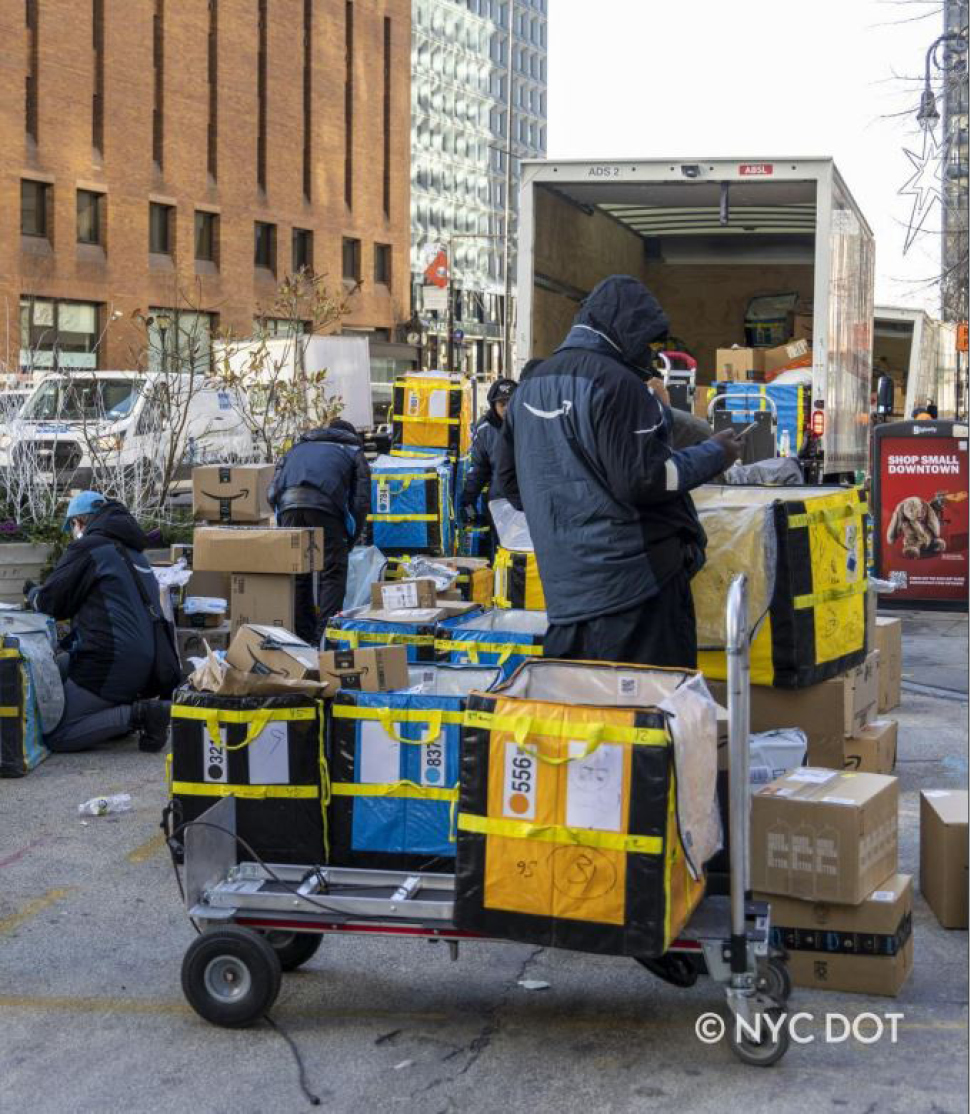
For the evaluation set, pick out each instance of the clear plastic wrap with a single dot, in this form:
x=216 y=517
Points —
x=510 y=525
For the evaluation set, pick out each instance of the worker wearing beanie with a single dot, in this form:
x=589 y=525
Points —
x=484 y=458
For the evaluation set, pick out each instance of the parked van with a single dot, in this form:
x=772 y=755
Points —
x=73 y=427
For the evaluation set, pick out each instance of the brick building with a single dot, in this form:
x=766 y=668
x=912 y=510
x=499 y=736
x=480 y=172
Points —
x=207 y=147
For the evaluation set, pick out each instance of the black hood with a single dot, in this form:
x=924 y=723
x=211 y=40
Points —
x=114 y=521
x=624 y=311
x=340 y=436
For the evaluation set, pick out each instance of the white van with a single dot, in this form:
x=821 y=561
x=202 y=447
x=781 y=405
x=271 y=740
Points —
x=73 y=426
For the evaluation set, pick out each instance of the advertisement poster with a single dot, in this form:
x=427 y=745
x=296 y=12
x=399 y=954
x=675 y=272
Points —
x=923 y=515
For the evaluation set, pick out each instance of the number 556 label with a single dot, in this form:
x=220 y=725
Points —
x=519 y=795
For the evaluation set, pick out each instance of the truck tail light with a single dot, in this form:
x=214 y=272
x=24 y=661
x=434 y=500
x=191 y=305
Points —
x=818 y=423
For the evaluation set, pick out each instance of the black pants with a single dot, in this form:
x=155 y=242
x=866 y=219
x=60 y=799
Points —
x=660 y=631
x=331 y=580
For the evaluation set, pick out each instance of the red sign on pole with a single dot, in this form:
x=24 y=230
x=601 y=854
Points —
x=436 y=273
x=923 y=486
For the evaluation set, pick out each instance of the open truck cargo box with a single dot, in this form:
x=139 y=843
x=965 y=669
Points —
x=707 y=236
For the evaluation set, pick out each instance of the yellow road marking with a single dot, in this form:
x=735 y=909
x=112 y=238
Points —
x=31 y=909
x=144 y=851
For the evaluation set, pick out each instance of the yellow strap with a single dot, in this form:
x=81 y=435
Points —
x=7 y=712
x=355 y=637
x=255 y=720
x=505 y=650
x=834 y=515
x=10 y=654
x=417 y=419
x=602 y=732
x=250 y=792
x=829 y=595
x=403 y=517
x=399 y=715
x=420 y=450
x=559 y=833
x=408 y=789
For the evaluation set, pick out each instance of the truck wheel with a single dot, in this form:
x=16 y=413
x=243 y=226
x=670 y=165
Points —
x=231 y=976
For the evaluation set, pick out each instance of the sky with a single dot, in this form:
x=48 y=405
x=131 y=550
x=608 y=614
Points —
x=757 y=79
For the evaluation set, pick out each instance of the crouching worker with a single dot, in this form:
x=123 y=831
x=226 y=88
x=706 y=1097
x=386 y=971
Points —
x=110 y=660
x=324 y=481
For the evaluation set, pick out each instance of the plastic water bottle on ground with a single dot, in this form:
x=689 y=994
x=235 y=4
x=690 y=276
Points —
x=101 y=806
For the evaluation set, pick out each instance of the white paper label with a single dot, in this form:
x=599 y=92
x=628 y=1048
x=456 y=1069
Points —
x=215 y=758
x=819 y=777
x=380 y=755
x=438 y=404
x=414 y=402
x=882 y=895
x=383 y=499
x=521 y=773
x=627 y=686
x=396 y=597
x=594 y=787
x=269 y=756
x=838 y=801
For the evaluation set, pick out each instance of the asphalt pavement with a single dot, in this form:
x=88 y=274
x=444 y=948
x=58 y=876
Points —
x=92 y=936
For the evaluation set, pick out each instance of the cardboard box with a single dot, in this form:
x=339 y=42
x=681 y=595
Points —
x=191 y=641
x=377 y=669
x=872 y=605
x=775 y=358
x=943 y=854
x=257 y=549
x=232 y=492
x=199 y=620
x=873 y=750
x=889 y=643
x=393 y=595
x=208 y=584
x=862 y=949
x=733 y=364
x=824 y=835
x=802 y=326
x=272 y=651
x=828 y=713
x=263 y=599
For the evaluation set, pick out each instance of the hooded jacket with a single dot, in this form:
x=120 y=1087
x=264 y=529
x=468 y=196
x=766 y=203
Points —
x=112 y=644
x=586 y=451
x=326 y=470
x=482 y=461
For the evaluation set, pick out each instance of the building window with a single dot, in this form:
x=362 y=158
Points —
x=30 y=92
x=58 y=334
x=351 y=260
x=34 y=198
x=158 y=66
x=302 y=249
x=382 y=264
x=264 y=254
x=179 y=341
x=206 y=236
x=89 y=216
x=160 y=221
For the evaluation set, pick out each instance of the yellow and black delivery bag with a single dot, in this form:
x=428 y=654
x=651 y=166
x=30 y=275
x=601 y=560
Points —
x=572 y=831
x=432 y=410
x=517 y=583
x=268 y=753
x=803 y=550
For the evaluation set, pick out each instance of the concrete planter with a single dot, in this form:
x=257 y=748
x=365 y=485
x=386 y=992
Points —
x=20 y=561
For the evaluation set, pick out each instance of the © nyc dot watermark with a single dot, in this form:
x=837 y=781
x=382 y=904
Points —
x=803 y=1027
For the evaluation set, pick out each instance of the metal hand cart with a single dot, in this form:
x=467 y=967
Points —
x=257 y=920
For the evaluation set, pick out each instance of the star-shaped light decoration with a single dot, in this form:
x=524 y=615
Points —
x=925 y=186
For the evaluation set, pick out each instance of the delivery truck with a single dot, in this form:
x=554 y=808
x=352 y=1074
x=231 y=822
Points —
x=708 y=237
x=919 y=354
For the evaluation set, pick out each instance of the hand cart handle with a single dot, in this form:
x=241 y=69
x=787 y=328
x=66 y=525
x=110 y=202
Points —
x=739 y=730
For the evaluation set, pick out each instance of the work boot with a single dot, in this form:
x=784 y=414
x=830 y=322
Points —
x=150 y=718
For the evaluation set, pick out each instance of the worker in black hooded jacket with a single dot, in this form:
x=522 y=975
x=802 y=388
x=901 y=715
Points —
x=111 y=646
x=483 y=458
x=586 y=453
x=324 y=481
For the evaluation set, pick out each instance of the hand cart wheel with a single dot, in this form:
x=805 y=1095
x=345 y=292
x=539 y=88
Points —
x=293 y=949
x=774 y=1042
x=231 y=976
x=774 y=980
